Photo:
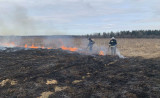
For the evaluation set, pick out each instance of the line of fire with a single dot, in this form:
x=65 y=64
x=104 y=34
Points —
x=47 y=45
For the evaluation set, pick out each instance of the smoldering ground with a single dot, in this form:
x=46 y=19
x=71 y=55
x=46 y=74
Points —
x=57 y=73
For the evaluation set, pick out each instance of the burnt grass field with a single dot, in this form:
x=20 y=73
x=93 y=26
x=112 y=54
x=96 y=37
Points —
x=61 y=74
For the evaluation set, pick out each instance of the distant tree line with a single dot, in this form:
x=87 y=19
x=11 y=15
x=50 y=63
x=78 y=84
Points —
x=128 y=34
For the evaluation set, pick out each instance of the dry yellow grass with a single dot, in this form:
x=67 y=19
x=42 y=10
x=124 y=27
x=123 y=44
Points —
x=147 y=48
x=76 y=81
x=11 y=82
x=52 y=82
x=46 y=94
x=57 y=88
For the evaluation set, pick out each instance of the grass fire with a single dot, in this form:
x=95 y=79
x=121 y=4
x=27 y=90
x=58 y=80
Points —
x=79 y=49
x=40 y=68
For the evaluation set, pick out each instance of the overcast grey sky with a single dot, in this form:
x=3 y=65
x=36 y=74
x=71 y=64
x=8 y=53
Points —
x=76 y=17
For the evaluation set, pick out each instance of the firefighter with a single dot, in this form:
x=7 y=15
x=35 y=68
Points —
x=113 y=45
x=90 y=44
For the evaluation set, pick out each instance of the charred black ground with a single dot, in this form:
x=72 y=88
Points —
x=98 y=76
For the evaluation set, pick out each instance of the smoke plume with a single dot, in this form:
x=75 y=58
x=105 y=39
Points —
x=14 y=20
x=18 y=20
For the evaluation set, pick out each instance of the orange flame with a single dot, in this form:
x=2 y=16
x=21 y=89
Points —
x=101 y=53
x=49 y=48
x=25 y=46
x=69 y=48
x=34 y=47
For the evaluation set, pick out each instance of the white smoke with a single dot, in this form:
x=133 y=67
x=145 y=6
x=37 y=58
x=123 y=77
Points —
x=55 y=42
x=107 y=51
x=16 y=20
x=119 y=54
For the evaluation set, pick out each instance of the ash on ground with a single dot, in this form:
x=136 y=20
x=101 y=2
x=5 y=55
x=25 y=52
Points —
x=59 y=74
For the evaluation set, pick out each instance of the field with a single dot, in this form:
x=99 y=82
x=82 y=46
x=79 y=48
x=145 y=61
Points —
x=147 y=48
x=58 y=73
